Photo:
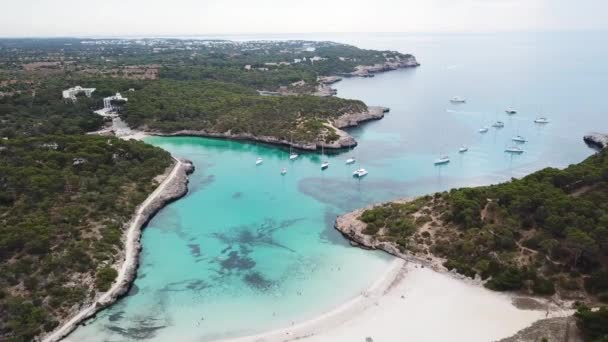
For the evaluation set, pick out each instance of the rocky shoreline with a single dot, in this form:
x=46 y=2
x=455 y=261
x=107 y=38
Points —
x=344 y=141
x=352 y=228
x=173 y=187
x=369 y=70
x=597 y=140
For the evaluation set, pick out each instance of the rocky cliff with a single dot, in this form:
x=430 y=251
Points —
x=597 y=140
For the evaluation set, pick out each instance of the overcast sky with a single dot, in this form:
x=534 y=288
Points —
x=208 y=17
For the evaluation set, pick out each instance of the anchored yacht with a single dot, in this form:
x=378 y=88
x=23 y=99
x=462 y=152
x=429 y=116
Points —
x=360 y=173
x=514 y=150
x=442 y=160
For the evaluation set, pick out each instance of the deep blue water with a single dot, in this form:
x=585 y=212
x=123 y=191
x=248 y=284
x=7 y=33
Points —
x=249 y=250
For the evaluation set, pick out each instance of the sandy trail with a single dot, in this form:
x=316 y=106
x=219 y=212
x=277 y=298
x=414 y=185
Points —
x=131 y=254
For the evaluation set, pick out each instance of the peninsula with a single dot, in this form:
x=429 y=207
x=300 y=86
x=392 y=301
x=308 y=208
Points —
x=72 y=204
x=542 y=235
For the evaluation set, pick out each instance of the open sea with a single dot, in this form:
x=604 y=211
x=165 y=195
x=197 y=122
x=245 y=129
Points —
x=249 y=250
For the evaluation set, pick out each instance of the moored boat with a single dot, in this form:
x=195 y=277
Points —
x=360 y=173
x=442 y=160
x=514 y=150
x=458 y=99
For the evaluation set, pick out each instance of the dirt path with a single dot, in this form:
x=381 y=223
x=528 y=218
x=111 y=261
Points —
x=131 y=254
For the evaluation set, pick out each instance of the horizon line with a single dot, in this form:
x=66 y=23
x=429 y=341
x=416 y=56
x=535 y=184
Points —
x=201 y=35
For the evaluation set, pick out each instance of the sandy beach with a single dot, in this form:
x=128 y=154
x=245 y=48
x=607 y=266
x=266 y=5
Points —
x=413 y=303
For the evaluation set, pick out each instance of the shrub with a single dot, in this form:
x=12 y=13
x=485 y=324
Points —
x=593 y=324
x=105 y=278
x=543 y=286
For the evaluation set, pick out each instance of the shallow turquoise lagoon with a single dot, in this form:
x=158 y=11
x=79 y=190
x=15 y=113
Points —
x=248 y=250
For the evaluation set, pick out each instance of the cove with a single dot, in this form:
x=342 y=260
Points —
x=249 y=250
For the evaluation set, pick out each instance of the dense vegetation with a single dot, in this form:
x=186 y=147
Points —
x=544 y=233
x=593 y=323
x=170 y=106
x=41 y=109
x=64 y=201
x=64 y=196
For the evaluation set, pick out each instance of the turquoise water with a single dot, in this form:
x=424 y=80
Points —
x=249 y=250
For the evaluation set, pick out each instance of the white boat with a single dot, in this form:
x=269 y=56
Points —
x=360 y=173
x=283 y=171
x=519 y=139
x=324 y=164
x=483 y=130
x=510 y=111
x=350 y=160
x=442 y=160
x=458 y=99
x=259 y=161
x=514 y=149
x=292 y=154
x=463 y=149
x=498 y=124
x=541 y=120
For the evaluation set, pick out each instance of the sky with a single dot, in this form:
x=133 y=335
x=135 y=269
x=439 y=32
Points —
x=43 y=18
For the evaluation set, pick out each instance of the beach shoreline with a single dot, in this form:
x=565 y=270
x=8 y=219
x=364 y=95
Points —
x=396 y=296
x=173 y=186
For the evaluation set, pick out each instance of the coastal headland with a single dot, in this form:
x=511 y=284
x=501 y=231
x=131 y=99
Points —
x=174 y=185
x=343 y=141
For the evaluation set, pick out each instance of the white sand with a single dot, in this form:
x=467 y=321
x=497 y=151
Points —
x=435 y=307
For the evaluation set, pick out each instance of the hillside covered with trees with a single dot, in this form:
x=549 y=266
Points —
x=169 y=106
x=545 y=233
x=64 y=201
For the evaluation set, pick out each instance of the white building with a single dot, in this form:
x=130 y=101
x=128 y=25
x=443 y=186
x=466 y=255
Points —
x=110 y=109
x=107 y=101
x=72 y=92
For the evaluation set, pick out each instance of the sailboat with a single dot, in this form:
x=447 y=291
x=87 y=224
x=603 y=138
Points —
x=514 y=150
x=463 y=149
x=541 y=120
x=519 y=139
x=442 y=160
x=292 y=154
x=259 y=161
x=325 y=163
x=498 y=124
x=350 y=160
x=360 y=173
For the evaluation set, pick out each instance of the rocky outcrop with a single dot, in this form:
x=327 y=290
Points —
x=551 y=329
x=345 y=140
x=597 y=140
x=352 y=228
x=369 y=70
x=173 y=187
x=354 y=119
x=329 y=79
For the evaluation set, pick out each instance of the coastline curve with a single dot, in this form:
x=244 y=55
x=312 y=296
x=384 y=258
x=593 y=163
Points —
x=173 y=187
